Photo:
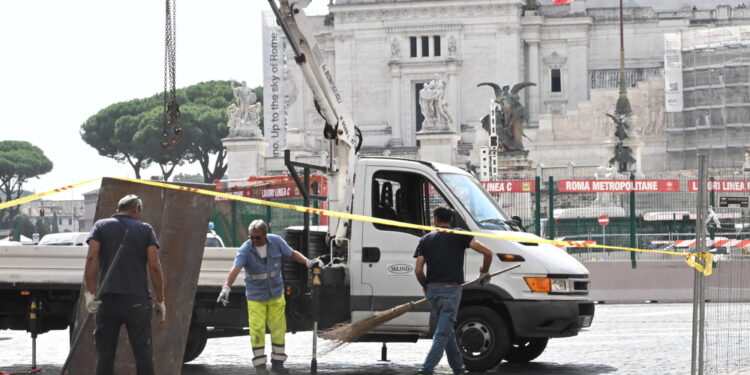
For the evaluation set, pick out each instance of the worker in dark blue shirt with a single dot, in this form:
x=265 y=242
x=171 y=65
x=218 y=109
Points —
x=125 y=300
x=443 y=254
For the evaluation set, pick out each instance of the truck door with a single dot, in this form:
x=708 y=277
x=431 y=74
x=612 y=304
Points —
x=387 y=267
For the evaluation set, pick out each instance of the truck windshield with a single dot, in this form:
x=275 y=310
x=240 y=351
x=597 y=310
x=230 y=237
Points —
x=482 y=208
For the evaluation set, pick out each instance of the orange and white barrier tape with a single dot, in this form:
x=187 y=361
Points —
x=578 y=244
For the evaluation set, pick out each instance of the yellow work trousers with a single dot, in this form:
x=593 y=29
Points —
x=269 y=313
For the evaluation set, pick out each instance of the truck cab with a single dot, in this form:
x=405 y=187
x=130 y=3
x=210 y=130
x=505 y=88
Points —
x=511 y=319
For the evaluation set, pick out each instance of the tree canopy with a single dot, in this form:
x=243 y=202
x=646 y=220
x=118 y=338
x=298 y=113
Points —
x=19 y=162
x=130 y=132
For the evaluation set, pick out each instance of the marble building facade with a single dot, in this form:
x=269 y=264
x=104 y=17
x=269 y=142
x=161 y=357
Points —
x=383 y=52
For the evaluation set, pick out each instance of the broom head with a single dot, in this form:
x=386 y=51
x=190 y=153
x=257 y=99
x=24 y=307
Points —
x=344 y=333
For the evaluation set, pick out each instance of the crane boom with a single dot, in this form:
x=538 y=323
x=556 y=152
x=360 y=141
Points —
x=339 y=126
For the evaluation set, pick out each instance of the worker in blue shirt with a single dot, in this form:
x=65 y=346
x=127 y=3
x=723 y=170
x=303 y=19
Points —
x=262 y=258
x=443 y=255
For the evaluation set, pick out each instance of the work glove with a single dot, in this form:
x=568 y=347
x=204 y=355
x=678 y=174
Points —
x=484 y=278
x=224 y=295
x=92 y=304
x=315 y=263
x=161 y=311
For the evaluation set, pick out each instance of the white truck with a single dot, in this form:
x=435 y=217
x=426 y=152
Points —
x=511 y=319
x=370 y=266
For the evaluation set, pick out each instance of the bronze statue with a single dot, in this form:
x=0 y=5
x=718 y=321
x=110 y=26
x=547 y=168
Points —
x=623 y=155
x=511 y=116
x=621 y=127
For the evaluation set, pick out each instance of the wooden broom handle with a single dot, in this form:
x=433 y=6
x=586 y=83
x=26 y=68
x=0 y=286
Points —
x=423 y=300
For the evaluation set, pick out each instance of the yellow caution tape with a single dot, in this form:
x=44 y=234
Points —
x=690 y=258
x=709 y=259
x=30 y=198
x=318 y=211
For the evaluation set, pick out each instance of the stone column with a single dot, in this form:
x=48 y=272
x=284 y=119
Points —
x=397 y=136
x=532 y=31
x=578 y=78
x=453 y=96
x=534 y=77
x=245 y=156
x=438 y=146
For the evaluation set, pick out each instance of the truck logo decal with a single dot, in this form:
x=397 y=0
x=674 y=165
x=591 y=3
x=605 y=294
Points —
x=399 y=269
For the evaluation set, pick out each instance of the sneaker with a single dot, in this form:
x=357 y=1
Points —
x=261 y=370
x=277 y=367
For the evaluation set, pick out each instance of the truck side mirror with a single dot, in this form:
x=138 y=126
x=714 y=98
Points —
x=519 y=223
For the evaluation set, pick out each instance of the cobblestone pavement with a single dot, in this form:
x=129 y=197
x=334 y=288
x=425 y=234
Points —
x=624 y=339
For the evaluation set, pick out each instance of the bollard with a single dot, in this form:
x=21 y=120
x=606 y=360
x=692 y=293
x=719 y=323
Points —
x=34 y=328
x=384 y=353
x=315 y=315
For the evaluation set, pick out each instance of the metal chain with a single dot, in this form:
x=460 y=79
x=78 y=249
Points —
x=171 y=132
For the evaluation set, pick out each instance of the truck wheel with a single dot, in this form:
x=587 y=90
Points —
x=196 y=342
x=526 y=350
x=482 y=337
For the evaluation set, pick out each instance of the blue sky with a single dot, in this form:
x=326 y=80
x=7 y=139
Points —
x=62 y=61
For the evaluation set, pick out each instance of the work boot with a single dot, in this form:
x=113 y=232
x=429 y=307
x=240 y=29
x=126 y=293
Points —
x=261 y=370
x=277 y=367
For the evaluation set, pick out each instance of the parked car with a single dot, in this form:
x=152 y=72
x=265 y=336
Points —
x=64 y=239
x=213 y=240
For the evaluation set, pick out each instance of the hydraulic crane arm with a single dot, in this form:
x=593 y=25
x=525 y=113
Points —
x=339 y=126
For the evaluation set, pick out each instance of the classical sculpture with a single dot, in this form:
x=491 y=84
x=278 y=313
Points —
x=395 y=49
x=510 y=115
x=623 y=155
x=244 y=96
x=244 y=115
x=452 y=49
x=434 y=106
x=621 y=127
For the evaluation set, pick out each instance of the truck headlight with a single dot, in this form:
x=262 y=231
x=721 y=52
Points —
x=560 y=285
x=548 y=285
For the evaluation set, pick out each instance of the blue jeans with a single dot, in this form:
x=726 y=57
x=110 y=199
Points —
x=445 y=302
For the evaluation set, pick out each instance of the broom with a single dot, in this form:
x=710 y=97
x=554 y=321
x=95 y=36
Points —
x=345 y=333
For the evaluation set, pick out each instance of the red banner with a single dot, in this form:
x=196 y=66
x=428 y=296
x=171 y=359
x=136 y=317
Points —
x=725 y=186
x=617 y=186
x=509 y=186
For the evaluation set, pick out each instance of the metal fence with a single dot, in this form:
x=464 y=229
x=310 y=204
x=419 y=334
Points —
x=724 y=317
x=231 y=218
x=645 y=213
x=658 y=214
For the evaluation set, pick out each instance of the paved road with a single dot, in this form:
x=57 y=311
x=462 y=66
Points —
x=624 y=339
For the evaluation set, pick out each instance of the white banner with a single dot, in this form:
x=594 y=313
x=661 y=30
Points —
x=673 y=72
x=274 y=111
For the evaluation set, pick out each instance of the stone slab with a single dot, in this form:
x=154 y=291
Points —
x=180 y=220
